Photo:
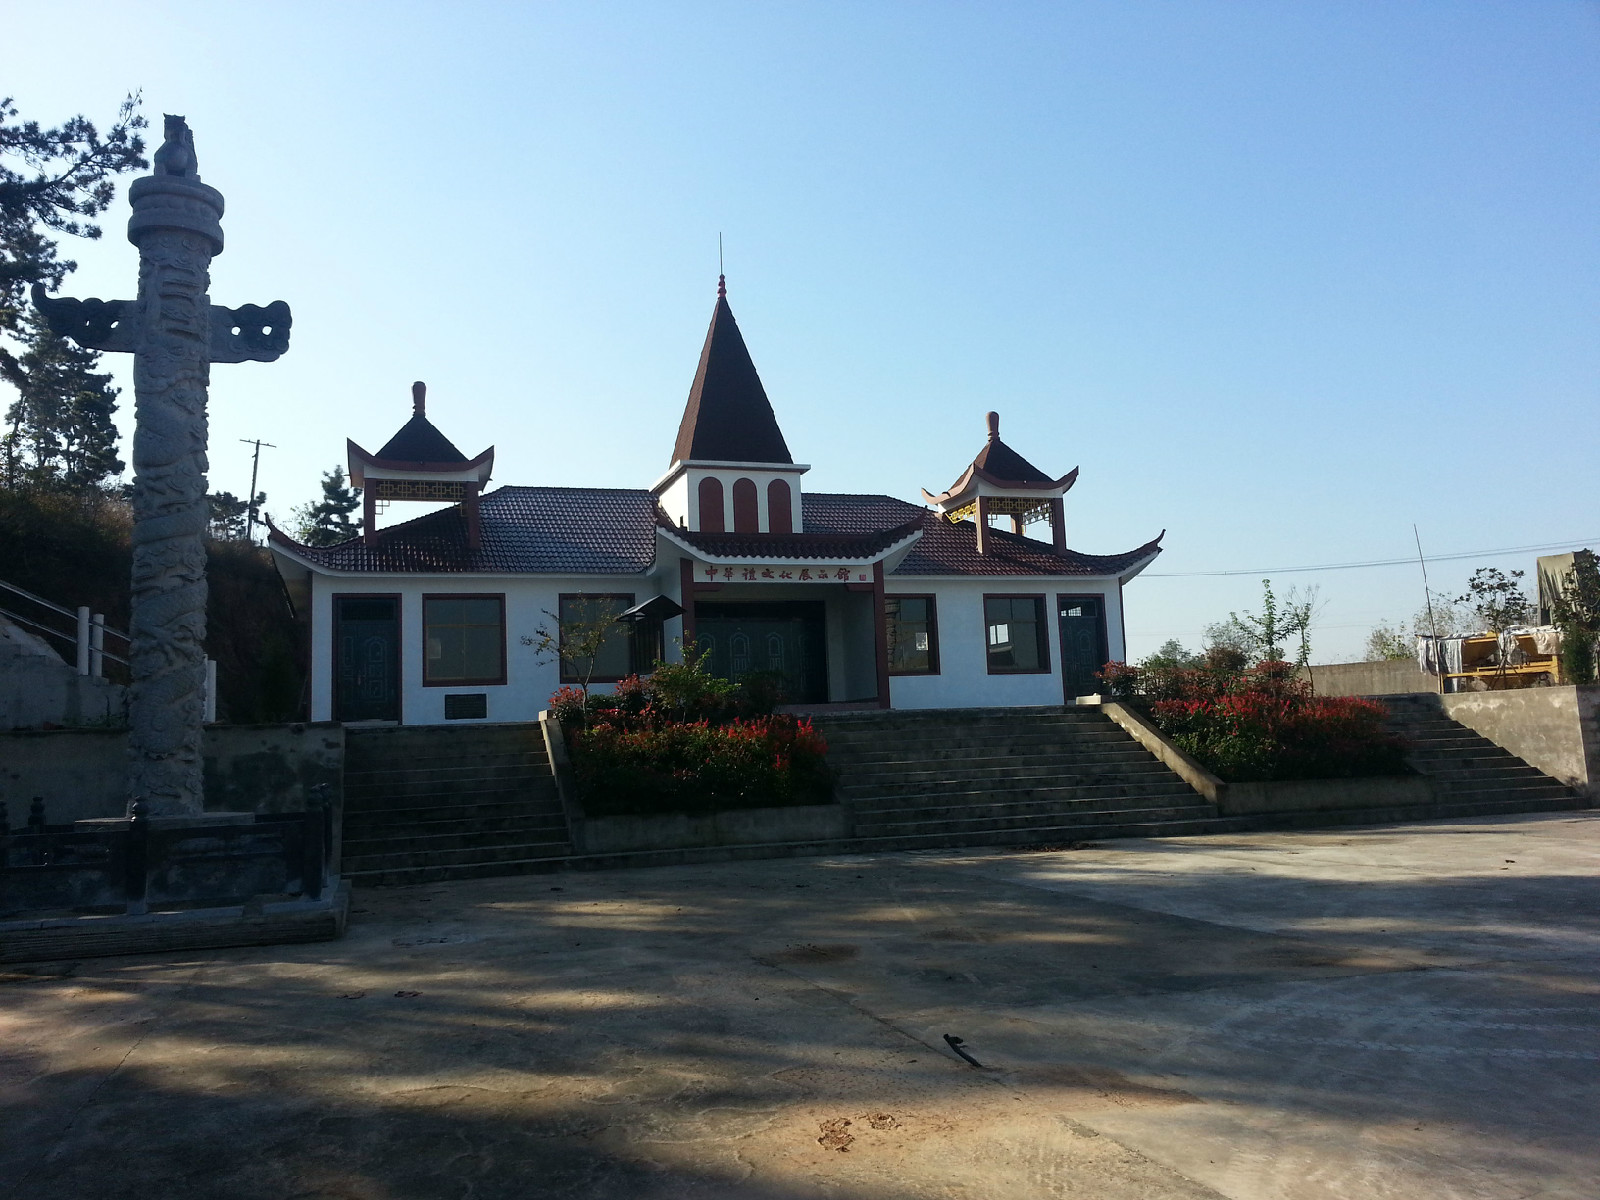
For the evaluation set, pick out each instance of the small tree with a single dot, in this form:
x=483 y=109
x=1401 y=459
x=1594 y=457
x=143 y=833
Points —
x=1497 y=599
x=1390 y=643
x=1443 y=613
x=1267 y=636
x=1576 y=612
x=576 y=641
x=327 y=522
x=1170 y=656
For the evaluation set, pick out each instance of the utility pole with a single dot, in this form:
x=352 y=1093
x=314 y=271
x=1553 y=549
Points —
x=255 y=467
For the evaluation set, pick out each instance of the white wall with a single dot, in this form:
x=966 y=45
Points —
x=963 y=681
x=530 y=677
x=680 y=499
x=964 y=678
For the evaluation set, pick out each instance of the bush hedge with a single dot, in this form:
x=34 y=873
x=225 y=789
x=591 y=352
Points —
x=1262 y=724
x=686 y=741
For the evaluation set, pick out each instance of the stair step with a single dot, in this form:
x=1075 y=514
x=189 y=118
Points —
x=463 y=839
x=480 y=855
x=978 y=739
x=469 y=768
x=408 y=799
x=1131 y=772
x=1055 y=820
x=1121 y=761
x=983 y=797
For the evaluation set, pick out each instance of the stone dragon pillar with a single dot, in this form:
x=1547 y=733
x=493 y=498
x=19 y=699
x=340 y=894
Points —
x=175 y=333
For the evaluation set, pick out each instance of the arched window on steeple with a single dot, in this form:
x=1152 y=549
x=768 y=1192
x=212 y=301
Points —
x=746 y=511
x=712 y=518
x=780 y=507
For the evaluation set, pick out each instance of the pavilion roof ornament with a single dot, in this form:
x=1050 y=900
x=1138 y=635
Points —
x=728 y=417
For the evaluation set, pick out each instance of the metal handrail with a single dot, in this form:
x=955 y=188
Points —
x=22 y=620
x=56 y=633
x=53 y=607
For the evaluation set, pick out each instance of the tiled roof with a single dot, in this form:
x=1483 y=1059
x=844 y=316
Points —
x=419 y=441
x=728 y=417
x=952 y=549
x=840 y=512
x=613 y=531
x=946 y=549
x=1002 y=462
x=523 y=529
x=813 y=544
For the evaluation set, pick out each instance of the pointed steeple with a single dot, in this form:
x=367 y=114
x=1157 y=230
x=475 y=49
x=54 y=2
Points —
x=728 y=417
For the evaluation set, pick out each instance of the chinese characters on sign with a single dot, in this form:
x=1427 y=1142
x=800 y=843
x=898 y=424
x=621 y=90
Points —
x=716 y=574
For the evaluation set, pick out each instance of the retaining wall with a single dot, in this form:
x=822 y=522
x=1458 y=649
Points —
x=1389 y=678
x=81 y=773
x=1556 y=729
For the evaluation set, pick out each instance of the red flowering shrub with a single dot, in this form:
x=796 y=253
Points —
x=1268 y=724
x=678 y=766
x=566 y=706
x=1121 y=680
x=684 y=740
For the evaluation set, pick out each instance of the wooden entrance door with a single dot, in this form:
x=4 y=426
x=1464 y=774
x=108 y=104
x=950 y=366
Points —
x=366 y=658
x=1083 y=644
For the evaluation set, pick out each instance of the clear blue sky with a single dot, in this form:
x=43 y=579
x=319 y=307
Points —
x=1281 y=278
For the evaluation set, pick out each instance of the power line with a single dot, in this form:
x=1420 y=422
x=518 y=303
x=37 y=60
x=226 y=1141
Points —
x=1377 y=562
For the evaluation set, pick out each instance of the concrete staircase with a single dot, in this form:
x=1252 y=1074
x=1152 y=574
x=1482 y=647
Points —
x=1471 y=774
x=425 y=803
x=974 y=777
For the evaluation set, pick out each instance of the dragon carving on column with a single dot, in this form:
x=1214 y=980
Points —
x=175 y=333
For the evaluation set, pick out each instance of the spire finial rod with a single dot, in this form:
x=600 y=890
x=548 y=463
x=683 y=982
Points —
x=419 y=398
x=993 y=421
x=722 y=279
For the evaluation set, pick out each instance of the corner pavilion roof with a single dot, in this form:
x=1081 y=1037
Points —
x=418 y=451
x=998 y=465
x=419 y=441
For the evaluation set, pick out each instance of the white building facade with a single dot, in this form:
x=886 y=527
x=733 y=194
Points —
x=848 y=600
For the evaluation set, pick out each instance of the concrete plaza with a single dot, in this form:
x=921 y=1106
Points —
x=1396 y=1012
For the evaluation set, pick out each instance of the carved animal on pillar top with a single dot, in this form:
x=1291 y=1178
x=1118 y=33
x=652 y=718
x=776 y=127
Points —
x=175 y=334
x=175 y=156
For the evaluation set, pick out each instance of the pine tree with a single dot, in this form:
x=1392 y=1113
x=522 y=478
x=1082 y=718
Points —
x=327 y=521
x=51 y=182
x=230 y=516
x=60 y=425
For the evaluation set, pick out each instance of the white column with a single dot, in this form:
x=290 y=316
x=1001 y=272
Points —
x=83 y=639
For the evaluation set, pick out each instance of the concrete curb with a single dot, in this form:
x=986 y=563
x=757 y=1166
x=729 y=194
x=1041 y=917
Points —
x=51 y=938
